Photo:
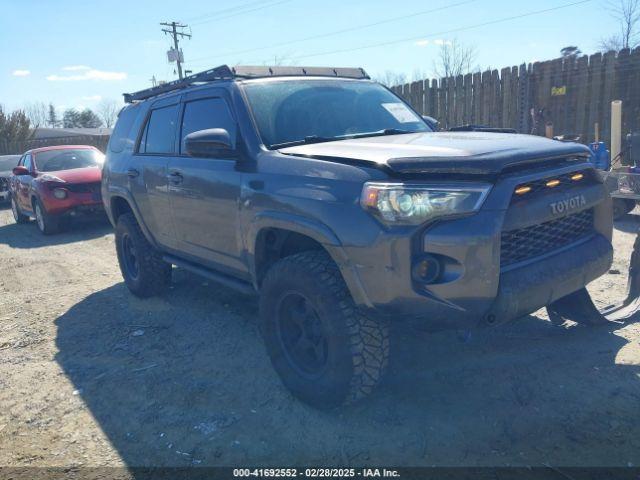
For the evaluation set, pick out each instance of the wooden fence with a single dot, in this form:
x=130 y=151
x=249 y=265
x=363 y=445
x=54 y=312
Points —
x=573 y=94
x=18 y=148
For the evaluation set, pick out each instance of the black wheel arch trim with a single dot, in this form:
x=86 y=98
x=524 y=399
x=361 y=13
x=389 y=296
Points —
x=115 y=191
x=315 y=230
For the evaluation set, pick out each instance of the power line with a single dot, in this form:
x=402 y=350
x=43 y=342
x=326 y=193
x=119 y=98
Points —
x=241 y=12
x=175 y=34
x=338 y=32
x=227 y=10
x=445 y=32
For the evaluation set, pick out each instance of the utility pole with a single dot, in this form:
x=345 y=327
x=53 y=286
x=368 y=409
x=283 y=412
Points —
x=175 y=34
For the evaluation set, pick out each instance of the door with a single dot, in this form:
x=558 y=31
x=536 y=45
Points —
x=205 y=192
x=148 y=169
x=23 y=184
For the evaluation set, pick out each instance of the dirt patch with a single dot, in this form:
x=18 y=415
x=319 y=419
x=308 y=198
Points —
x=90 y=375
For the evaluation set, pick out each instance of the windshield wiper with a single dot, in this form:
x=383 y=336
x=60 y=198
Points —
x=307 y=140
x=386 y=131
x=316 y=139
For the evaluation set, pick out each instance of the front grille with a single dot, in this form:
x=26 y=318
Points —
x=4 y=184
x=525 y=243
x=83 y=187
x=540 y=186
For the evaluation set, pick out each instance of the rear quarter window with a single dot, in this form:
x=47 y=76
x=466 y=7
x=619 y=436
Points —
x=159 y=134
x=121 y=137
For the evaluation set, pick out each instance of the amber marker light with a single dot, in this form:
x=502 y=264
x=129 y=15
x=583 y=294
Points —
x=553 y=183
x=577 y=177
x=372 y=198
x=523 y=190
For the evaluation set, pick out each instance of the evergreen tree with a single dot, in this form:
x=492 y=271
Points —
x=53 y=117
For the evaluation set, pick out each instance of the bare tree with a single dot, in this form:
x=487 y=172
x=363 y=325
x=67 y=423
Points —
x=454 y=59
x=391 y=79
x=108 y=112
x=37 y=113
x=627 y=13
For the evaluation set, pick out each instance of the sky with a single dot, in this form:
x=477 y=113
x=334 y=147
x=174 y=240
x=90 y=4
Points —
x=77 y=53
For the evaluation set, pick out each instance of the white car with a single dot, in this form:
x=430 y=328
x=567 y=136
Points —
x=7 y=162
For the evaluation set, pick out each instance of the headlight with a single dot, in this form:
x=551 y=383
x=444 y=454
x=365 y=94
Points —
x=60 y=193
x=404 y=204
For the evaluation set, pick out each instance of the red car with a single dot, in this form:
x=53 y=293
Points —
x=54 y=183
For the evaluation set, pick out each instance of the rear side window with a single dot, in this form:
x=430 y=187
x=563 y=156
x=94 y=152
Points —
x=121 y=132
x=160 y=132
x=204 y=114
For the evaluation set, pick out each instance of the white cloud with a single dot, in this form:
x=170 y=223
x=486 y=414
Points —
x=21 y=73
x=90 y=74
x=422 y=43
x=76 y=68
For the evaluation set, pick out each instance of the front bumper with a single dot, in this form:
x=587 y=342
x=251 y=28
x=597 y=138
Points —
x=523 y=291
x=74 y=204
x=476 y=289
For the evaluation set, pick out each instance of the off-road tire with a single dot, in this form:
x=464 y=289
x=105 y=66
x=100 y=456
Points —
x=47 y=224
x=18 y=216
x=358 y=346
x=153 y=274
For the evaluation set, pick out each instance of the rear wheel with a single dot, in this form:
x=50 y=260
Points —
x=18 y=216
x=142 y=267
x=326 y=351
x=47 y=224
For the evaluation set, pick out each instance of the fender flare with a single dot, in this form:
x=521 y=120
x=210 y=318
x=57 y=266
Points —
x=311 y=228
x=115 y=191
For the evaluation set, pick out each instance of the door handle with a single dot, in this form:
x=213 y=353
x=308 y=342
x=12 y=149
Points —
x=132 y=173
x=176 y=177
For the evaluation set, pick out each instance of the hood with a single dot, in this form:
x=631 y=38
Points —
x=476 y=153
x=78 y=175
x=6 y=173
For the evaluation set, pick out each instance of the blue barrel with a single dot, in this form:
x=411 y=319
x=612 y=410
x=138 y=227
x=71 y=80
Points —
x=600 y=156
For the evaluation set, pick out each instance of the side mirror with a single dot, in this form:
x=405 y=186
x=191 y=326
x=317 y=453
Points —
x=209 y=143
x=20 y=170
x=432 y=122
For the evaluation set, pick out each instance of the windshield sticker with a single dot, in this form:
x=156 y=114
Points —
x=401 y=112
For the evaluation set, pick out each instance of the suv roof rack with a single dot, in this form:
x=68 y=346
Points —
x=225 y=72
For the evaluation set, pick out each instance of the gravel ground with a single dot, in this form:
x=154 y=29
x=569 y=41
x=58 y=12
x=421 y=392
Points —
x=91 y=376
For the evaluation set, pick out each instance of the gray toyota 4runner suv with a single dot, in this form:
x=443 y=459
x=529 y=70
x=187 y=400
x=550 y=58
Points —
x=334 y=200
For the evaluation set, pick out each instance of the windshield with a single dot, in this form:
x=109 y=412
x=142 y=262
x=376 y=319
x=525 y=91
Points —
x=291 y=112
x=56 y=160
x=7 y=163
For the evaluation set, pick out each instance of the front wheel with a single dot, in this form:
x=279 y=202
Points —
x=142 y=267
x=326 y=351
x=47 y=224
x=18 y=216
